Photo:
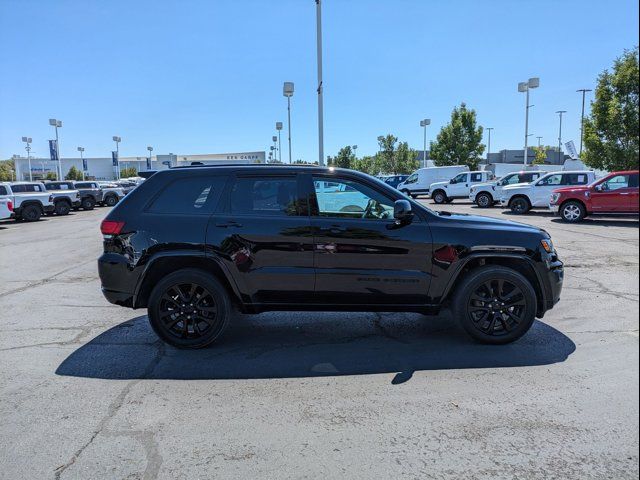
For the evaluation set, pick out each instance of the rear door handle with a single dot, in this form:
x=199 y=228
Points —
x=337 y=229
x=228 y=224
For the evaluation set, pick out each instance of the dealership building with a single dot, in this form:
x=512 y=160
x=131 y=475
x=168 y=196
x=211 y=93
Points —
x=101 y=168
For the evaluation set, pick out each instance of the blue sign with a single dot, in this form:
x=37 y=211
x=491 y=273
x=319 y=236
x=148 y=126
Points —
x=114 y=157
x=148 y=163
x=84 y=164
x=53 y=150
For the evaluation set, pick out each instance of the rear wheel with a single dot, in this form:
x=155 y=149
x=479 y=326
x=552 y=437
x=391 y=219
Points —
x=88 y=203
x=439 y=197
x=31 y=213
x=484 y=200
x=189 y=309
x=62 y=208
x=111 y=200
x=573 y=212
x=520 y=205
x=495 y=305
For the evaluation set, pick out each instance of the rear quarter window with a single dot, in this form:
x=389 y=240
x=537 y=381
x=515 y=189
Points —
x=3 y=190
x=197 y=195
x=575 y=179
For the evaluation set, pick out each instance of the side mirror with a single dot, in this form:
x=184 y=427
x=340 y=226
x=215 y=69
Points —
x=599 y=187
x=402 y=211
x=452 y=181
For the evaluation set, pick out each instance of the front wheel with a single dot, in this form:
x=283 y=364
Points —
x=495 y=305
x=189 y=309
x=31 y=213
x=88 y=203
x=439 y=197
x=484 y=200
x=111 y=200
x=62 y=208
x=573 y=212
x=520 y=205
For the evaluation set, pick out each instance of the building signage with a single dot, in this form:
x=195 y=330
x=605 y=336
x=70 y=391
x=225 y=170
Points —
x=53 y=150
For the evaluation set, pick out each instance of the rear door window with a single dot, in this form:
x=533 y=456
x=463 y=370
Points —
x=575 y=179
x=190 y=196
x=266 y=196
x=476 y=177
x=3 y=190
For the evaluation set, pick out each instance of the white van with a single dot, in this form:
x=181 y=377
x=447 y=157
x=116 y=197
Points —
x=419 y=181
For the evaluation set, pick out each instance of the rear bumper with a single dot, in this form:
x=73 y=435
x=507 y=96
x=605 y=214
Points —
x=118 y=298
x=117 y=280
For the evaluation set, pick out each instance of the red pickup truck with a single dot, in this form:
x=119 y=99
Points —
x=617 y=193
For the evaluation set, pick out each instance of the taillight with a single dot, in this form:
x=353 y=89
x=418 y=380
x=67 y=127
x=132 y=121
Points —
x=10 y=205
x=111 y=227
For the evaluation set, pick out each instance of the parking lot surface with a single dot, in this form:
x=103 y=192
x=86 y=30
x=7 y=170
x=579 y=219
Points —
x=88 y=391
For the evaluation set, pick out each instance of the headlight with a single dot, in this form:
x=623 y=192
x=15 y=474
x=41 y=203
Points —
x=547 y=244
x=554 y=198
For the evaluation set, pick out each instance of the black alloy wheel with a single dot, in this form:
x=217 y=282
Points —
x=62 y=208
x=495 y=305
x=484 y=200
x=189 y=309
x=88 y=203
x=520 y=205
x=31 y=213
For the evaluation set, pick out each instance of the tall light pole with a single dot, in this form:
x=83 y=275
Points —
x=320 y=86
x=117 y=162
x=57 y=124
x=287 y=91
x=149 y=149
x=533 y=82
x=354 y=148
x=423 y=124
x=274 y=139
x=84 y=167
x=28 y=141
x=489 y=142
x=279 y=128
x=539 y=140
x=560 y=112
x=584 y=92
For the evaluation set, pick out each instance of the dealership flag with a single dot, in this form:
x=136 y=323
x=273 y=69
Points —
x=84 y=164
x=53 y=150
x=114 y=157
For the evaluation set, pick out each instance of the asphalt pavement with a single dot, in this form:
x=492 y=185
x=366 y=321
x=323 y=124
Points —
x=88 y=391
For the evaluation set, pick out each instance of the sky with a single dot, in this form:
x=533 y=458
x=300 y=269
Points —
x=192 y=76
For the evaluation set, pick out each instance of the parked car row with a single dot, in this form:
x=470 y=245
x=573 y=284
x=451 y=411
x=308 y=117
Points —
x=29 y=201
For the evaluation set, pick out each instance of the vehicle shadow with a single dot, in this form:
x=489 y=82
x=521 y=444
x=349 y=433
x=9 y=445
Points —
x=310 y=345
x=604 y=222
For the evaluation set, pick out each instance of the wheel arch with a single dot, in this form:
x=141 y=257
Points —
x=161 y=265
x=520 y=195
x=28 y=203
x=520 y=263
x=575 y=200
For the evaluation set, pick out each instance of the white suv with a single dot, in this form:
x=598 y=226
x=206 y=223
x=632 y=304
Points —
x=487 y=194
x=459 y=186
x=521 y=198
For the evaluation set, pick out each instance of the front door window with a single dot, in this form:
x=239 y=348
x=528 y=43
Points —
x=350 y=199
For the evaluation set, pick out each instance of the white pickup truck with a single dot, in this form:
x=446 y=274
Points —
x=6 y=208
x=458 y=186
x=487 y=194
x=30 y=200
x=521 y=198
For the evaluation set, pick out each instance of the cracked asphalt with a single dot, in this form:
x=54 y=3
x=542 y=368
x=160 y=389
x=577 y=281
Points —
x=87 y=390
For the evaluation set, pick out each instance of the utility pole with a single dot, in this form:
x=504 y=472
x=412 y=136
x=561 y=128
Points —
x=560 y=112
x=320 y=86
x=489 y=143
x=584 y=92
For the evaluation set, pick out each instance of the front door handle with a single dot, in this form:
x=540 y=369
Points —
x=229 y=224
x=335 y=229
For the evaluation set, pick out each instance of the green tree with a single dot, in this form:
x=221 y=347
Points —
x=387 y=154
x=407 y=159
x=345 y=158
x=129 y=172
x=7 y=170
x=460 y=141
x=540 y=155
x=367 y=164
x=73 y=174
x=611 y=130
x=50 y=176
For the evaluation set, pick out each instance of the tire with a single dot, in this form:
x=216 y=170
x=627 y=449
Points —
x=111 y=200
x=188 y=289
x=439 y=197
x=62 y=208
x=509 y=309
x=520 y=205
x=484 y=200
x=88 y=203
x=31 y=213
x=414 y=195
x=573 y=212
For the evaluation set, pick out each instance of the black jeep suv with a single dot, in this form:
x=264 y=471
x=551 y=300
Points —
x=191 y=242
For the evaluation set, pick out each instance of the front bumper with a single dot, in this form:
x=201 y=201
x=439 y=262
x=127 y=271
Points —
x=554 y=208
x=76 y=204
x=49 y=208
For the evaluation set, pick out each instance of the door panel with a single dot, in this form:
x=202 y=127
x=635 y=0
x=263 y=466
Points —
x=264 y=237
x=612 y=195
x=360 y=257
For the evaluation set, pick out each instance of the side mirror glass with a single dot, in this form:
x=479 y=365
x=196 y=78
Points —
x=452 y=181
x=599 y=187
x=402 y=211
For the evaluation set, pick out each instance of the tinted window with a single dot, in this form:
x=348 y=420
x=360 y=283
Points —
x=198 y=195
x=615 y=183
x=633 y=180
x=551 y=180
x=353 y=200
x=575 y=179
x=528 y=177
x=265 y=196
x=26 y=188
x=3 y=190
x=476 y=177
x=84 y=185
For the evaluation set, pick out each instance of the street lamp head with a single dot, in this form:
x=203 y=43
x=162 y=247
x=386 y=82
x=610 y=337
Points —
x=81 y=149
x=561 y=111
x=116 y=139
x=278 y=125
x=534 y=82
x=53 y=122
x=355 y=147
x=287 y=89
x=523 y=86
x=585 y=90
x=274 y=139
x=150 y=149
x=26 y=139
